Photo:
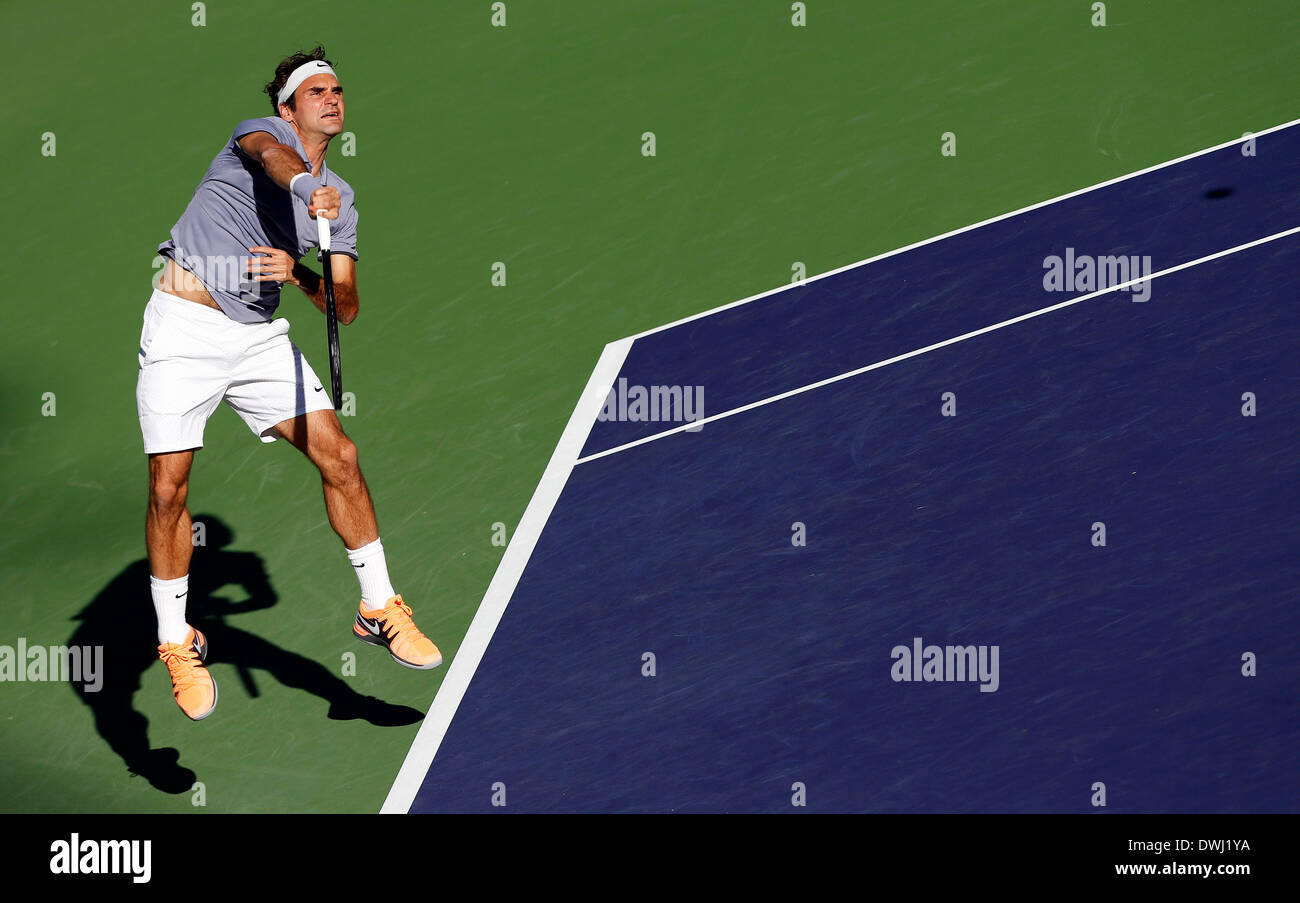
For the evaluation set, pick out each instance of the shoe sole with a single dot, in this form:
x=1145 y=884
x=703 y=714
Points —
x=375 y=641
x=215 y=695
x=203 y=657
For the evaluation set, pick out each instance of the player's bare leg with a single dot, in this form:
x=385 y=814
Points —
x=383 y=618
x=167 y=521
x=167 y=528
x=319 y=436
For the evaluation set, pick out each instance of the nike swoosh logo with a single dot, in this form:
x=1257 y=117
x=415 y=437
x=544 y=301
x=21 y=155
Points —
x=180 y=595
x=320 y=388
x=372 y=626
x=361 y=565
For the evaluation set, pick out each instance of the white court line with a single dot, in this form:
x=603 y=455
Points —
x=467 y=658
x=981 y=224
x=565 y=457
x=697 y=424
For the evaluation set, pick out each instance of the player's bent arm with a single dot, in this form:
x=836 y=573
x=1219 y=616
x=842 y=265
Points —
x=346 y=303
x=282 y=163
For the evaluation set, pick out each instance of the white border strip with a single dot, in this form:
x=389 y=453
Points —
x=697 y=424
x=982 y=223
x=502 y=588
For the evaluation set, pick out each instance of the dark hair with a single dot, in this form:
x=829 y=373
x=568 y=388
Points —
x=285 y=69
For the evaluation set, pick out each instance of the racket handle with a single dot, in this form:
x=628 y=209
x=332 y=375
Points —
x=323 y=232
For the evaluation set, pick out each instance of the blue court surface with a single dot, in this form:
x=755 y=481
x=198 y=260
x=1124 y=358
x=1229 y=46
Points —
x=886 y=461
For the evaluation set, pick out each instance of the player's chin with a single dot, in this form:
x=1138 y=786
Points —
x=331 y=125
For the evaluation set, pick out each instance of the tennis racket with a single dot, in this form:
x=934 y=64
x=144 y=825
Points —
x=331 y=314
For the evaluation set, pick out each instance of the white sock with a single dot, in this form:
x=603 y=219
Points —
x=169 y=603
x=372 y=573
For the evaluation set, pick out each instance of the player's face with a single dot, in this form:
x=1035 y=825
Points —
x=319 y=102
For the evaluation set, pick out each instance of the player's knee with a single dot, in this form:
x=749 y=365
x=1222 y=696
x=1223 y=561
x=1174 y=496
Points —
x=343 y=466
x=167 y=494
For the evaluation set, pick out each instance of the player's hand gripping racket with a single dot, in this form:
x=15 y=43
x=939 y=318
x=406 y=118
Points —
x=331 y=314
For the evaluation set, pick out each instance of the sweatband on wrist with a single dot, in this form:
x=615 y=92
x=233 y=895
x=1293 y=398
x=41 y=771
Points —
x=303 y=184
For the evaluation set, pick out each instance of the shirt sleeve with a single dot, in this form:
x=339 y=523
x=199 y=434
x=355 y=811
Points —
x=343 y=240
x=281 y=130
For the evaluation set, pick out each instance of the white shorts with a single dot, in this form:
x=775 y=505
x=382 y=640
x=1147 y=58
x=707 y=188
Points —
x=192 y=357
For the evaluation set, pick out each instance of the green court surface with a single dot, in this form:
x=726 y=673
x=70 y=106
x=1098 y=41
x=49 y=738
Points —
x=476 y=144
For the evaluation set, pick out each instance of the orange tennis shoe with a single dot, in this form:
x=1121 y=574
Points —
x=192 y=685
x=393 y=627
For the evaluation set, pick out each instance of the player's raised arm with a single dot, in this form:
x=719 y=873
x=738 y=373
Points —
x=285 y=168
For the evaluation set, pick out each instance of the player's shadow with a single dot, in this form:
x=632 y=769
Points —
x=121 y=620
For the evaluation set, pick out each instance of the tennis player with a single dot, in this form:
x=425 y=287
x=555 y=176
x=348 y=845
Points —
x=209 y=336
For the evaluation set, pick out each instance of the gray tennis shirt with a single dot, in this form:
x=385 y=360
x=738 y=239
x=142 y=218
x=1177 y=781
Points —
x=237 y=207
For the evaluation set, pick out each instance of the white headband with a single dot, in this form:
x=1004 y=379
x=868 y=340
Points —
x=301 y=74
